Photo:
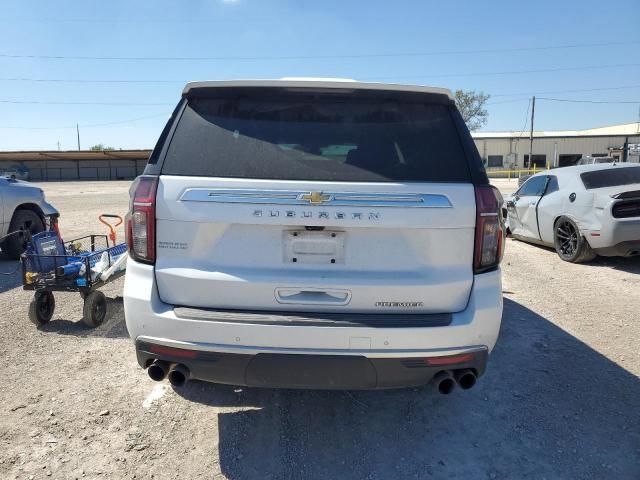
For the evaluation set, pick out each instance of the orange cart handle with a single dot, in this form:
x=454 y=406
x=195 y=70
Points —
x=112 y=232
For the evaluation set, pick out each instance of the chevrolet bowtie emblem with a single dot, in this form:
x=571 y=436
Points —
x=315 y=198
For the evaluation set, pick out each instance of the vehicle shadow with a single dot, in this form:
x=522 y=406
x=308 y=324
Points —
x=549 y=406
x=114 y=325
x=623 y=264
x=10 y=273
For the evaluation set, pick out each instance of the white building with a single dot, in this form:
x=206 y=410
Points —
x=558 y=148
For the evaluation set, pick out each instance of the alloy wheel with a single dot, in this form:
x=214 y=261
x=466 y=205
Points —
x=567 y=235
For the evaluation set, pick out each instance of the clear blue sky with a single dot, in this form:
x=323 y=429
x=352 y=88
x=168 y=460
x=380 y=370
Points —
x=260 y=28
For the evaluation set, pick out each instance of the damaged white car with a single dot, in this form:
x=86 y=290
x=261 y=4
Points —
x=582 y=211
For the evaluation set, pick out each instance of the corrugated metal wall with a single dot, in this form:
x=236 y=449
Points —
x=113 y=169
x=545 y=146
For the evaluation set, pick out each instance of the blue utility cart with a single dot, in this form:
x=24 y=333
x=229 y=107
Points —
x=80 y=265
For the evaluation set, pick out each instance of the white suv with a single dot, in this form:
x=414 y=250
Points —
x=314 y=234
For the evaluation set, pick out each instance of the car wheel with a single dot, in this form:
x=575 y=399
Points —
x=14 y=246
x=570 y=245
x=95 y=309
x=41 y=308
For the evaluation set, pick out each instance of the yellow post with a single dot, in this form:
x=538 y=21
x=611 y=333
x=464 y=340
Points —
x=534 y=168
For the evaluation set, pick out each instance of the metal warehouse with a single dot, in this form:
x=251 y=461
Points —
x=510 y=150
x=77 y=164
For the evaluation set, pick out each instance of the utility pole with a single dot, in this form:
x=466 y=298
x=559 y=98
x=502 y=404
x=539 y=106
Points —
x=533 y=112
x=58 y=145
x=78 y=132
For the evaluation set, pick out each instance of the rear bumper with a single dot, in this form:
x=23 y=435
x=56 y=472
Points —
x=236 y=345
x=281 y=370
x=616 y=237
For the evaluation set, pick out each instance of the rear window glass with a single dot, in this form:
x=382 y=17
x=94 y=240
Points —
x=611 y=177
x=323 y=137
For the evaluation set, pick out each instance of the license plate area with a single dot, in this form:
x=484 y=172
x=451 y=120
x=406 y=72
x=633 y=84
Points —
x=314 y=247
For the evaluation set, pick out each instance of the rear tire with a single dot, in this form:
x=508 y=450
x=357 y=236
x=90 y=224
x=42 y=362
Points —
x=95 y=309
x=13 y=246
x=41 y=308
x=569 y=243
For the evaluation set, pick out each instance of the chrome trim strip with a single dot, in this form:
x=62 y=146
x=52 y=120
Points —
x=286 y=197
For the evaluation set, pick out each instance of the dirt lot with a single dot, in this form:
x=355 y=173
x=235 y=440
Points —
x=560 y=398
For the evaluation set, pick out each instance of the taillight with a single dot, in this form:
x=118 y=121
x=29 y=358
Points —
x=141 y=220
x=53 y=225
x=489 y=243
x=626 y=209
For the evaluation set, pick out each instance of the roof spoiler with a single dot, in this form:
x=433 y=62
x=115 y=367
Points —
x=318 y=83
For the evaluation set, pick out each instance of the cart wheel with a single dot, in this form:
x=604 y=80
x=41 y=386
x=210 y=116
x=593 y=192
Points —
x=95 y=309
x=41 y=308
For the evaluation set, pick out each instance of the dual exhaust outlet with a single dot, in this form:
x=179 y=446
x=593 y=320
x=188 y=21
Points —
x=444 y=381
x=178 y=374
x=447 y=380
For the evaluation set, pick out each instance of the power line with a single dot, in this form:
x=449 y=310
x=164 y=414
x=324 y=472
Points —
x=111 y=104
x=90 y=125
x=517 y=72
x=588 y=101
x=128 y=104
x=441 y=75
x=71 y=80
x=321 y=57
x=508 y=101
x=526 y=120
x=136 y=21
x=120 y=122
x=600 y=89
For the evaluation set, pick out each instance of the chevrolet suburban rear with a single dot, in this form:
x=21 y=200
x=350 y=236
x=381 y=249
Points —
x=314 y=234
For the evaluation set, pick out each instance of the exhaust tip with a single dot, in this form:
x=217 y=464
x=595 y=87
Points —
x=444 y=382
x=466 y=378
x=179 y=375
x=158 y=370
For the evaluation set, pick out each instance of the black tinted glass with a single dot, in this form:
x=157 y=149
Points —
x=533 y=187
x=155 y=154
x=553 y=185
x=317 y=137
x=611 y=177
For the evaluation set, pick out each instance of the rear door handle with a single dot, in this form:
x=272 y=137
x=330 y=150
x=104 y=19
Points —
x=312 y=296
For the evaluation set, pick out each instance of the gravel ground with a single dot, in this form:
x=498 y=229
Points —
x=559 y=400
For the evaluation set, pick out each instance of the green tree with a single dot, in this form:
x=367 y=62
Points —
x=471 y=105
x=100 y=147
